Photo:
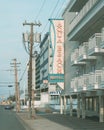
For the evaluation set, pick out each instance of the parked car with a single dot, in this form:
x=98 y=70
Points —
x=9 y=107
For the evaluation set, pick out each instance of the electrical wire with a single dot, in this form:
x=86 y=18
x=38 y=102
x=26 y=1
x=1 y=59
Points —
x=43 y=28
x=57 y=15
x=6 y=82
x=59 y=10
x=23 y=74
x=40 y=9
x=25 y=47
x=54 y=8
x=51 y=15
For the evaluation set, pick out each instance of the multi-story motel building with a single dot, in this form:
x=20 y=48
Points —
x=51 y=64
x=84 y=57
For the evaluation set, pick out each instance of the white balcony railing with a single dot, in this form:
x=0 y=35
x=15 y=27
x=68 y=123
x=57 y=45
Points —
x=83 y=49
x=90 y=81
x=81 y=54
x=96 y=45
x=82 y=13
x=102 y=76
x=73 y=84
x=94 y=41
x=80 y=82
x=102 y=34
x=91 y=78
x=102 y=38
x=74 y=55
x=98 y=74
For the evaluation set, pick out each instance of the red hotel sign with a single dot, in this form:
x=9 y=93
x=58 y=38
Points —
x=57 y=41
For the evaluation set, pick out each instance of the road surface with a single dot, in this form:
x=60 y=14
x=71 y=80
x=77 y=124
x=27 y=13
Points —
x=8 y=120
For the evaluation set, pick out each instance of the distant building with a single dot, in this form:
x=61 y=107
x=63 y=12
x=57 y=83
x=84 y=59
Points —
x=44 y=69
x=84 y=57
x=37 y=80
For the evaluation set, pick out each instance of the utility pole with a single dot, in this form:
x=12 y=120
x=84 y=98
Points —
x=17 y=93
x=30 y=87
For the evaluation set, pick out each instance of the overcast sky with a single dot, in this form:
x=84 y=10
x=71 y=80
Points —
x=12 y=15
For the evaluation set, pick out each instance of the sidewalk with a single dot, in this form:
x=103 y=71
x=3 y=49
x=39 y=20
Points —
x=40 y=123
x=58 y=122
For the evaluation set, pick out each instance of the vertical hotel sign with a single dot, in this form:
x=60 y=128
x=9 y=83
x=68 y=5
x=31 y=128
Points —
x=57 y=43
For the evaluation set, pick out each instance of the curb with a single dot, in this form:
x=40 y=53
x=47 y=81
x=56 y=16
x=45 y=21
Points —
x=22 y=121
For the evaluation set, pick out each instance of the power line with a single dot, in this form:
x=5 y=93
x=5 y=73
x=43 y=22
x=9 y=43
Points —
x=6 y=82
x=59 y=10
x=25 y=47
x=1 y=86
x=51 y=15
x=23 y=74
x=40 y=9
x=54 y=8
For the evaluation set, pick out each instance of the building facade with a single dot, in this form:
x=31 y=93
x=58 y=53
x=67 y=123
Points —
x=44 y=69
x=84 y=57
x=37 y=80
x=52 y=64
x=56 y=71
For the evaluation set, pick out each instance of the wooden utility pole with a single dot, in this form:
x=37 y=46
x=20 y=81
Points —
x=30 y=88
x=17 y=93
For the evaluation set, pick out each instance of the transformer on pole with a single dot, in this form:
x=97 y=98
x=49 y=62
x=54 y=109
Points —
x=30 y=38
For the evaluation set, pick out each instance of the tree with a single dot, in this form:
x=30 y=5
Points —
x=11 y=98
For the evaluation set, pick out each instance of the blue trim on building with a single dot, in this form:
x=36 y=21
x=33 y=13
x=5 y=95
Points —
x=53 y=48
x=44 y=63
x=55 y=19
x=55 y=78
x=45 y=78
x=43 y=52
x=44 y=39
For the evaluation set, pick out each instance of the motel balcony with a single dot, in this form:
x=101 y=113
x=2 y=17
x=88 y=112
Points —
x=95 y=43
x=102 y=38
x=76 y=4
x=77 y=84
x=80 y=83
x=74 y=84
x=88 y=82
x=96 y=80
x=83 y=53
x=74 y=58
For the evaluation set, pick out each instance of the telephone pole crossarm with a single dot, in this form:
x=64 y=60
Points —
x=32 y=24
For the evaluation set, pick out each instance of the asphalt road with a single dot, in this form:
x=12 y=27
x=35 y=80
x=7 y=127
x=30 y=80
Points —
x=74 y=123
x=9 y=121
